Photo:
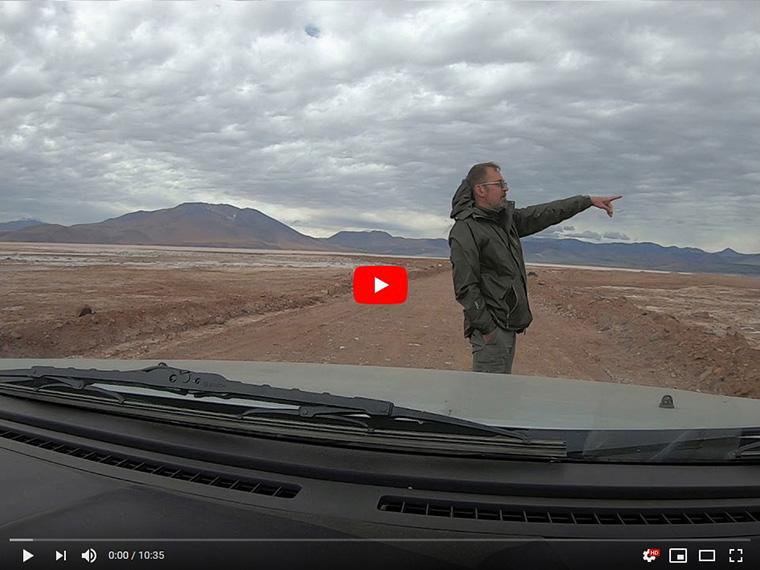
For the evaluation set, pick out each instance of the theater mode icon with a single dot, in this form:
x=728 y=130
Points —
x=707 y=556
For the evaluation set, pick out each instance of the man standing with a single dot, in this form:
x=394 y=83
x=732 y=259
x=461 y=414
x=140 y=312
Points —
x=487 y=259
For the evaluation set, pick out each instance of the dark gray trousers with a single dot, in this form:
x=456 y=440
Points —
x=495 y=356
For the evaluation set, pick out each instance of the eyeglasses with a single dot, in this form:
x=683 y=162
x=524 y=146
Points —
x=500 y=184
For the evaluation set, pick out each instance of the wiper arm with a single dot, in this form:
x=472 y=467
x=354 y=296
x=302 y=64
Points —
x=198 y=384
x=205 y=384
x=74 y=383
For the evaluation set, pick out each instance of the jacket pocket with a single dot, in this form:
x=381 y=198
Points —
x=506 y=300
x=501 y=294
x=511 y=299
x=493 y=289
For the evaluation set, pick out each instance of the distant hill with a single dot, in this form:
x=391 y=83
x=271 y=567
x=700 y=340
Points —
x=19 y=224
x=190 y=224
x=378 y=242
x=223 y=225
x=639 y=256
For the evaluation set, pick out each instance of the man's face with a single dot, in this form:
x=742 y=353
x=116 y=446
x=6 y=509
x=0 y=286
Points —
x=493 y=191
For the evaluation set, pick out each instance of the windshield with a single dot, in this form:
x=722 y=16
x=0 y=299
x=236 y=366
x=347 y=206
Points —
x=540 y=218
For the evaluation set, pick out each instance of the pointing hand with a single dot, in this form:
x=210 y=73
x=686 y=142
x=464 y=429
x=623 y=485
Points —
x=605 y=203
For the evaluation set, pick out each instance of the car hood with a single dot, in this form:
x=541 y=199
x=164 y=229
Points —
x=495 y=399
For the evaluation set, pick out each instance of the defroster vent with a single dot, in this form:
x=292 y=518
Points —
x=531 y=514
x=201 y=477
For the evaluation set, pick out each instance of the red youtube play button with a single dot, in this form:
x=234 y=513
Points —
x=380 y=284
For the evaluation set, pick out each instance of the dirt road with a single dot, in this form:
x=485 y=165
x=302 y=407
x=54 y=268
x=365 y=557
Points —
x=696 y=332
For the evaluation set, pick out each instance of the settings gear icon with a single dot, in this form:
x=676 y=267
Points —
x=648 y=556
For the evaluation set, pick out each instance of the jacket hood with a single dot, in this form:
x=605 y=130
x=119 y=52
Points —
x=462 y=204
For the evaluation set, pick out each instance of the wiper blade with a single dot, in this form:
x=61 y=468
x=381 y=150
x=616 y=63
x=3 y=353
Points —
x=749 y=451
x=670 y=446
x=205 y=384
x=397 y=413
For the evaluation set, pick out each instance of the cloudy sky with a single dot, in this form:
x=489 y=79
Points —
x=360 y=115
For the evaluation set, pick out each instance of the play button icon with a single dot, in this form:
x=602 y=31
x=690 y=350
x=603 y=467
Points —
x=26 y=555
x=380 y=284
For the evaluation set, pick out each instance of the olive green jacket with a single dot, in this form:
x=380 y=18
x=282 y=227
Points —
x=487 y=258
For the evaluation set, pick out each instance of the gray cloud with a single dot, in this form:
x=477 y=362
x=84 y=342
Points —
x=312 y=30
x=355 y=115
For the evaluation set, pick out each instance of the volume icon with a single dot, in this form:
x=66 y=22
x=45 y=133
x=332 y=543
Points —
x=90 y=555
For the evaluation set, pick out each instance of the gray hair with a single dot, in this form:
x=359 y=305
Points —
x=478 y=173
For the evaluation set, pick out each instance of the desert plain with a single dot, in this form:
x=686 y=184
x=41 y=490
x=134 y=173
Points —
x=697 y=332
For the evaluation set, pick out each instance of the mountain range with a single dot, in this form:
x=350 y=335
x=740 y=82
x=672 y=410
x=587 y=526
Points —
x=226 y=226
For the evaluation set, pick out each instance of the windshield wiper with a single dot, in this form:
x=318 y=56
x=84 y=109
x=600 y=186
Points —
x=670 y=446
x=182 y=382
x=367 y=412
